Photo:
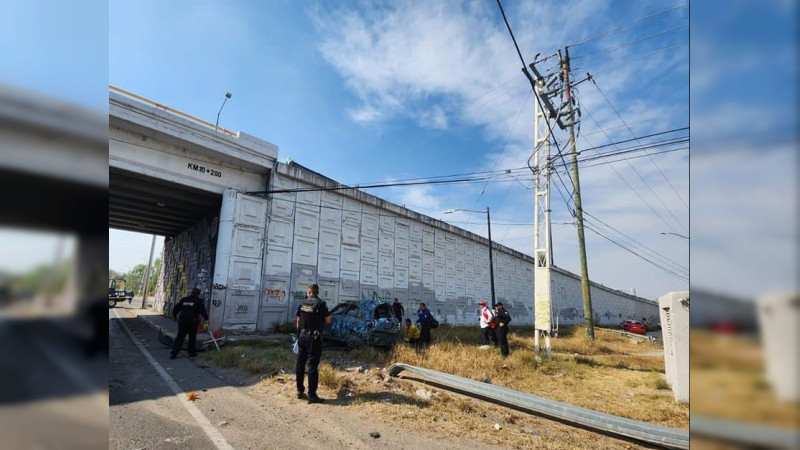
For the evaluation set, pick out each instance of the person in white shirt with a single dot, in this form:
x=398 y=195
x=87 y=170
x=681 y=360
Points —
x=487 y=323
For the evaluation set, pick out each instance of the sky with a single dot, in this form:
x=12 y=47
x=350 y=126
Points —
x=380 y=91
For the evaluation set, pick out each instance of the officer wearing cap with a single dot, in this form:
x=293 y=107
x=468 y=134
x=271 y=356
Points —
x=312 y=316
x=189 y=309
x=503 y=319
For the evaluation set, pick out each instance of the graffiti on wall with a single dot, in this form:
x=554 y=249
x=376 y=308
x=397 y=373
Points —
x=275 y=295
x=384 y=296
x=187 y=263
x=569 y=313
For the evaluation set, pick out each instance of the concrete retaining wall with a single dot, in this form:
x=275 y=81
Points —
x=188 y=263
x=609 y=306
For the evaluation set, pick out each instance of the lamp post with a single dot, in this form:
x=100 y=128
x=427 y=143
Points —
x=227 y=96
x=675 y=234
x=489 y=226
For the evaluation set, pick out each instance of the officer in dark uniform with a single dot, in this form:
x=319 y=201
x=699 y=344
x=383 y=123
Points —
x=312 y=316
x=187 y=312
x=503 y=318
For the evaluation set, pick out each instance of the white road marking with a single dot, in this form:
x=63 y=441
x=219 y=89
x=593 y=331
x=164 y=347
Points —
x=212 y=433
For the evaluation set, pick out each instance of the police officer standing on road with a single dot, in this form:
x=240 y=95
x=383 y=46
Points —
x=503 y=319
x=190 y=309
x=312 y=316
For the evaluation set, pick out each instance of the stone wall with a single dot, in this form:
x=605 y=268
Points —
x=188 y=263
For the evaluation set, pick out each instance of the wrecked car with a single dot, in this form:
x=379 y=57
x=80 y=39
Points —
x=365 y=322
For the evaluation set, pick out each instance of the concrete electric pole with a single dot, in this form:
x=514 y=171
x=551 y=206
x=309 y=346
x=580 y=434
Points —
x=588 y=318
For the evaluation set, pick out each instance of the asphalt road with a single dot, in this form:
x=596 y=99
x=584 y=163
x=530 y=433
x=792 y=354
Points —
x=145 y=409
x=51 y=394
x=149 y=406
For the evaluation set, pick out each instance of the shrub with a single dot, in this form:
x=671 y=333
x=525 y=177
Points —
x=329 y=378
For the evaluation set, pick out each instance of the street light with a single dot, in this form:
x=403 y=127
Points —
x=227 y=96
x=489 y=225
x=675 y=234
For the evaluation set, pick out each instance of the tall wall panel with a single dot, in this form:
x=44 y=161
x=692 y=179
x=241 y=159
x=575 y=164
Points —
x=357 y=250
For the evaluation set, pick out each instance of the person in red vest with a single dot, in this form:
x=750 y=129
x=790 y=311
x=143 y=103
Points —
x=487 y=324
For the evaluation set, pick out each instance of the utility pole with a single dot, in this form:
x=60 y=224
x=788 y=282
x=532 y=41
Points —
x=542 y=236
x=147 y=271
x=588 y=318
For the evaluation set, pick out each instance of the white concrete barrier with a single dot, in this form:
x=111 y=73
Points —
x=779 y=320
x=674 y=310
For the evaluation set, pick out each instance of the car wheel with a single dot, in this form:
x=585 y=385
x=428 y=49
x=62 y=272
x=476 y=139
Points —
x=112 y=303
x=353 y=342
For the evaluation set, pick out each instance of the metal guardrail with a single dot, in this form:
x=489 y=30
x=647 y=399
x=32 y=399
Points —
x=744 y=433
x=641 y=431
x=172 y=110
x=644 y=337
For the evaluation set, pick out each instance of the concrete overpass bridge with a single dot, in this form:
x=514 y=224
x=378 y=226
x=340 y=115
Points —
x=253 y=255
x=54 y=178
x=178 y=176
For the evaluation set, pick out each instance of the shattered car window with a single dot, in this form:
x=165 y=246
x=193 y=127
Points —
x=365 y=322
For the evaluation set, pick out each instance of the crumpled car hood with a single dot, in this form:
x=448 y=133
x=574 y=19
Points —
x=368 y=329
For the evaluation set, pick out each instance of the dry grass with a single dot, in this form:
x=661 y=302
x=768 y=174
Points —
x=257 y=359
x=727 y=381
x=607 y=375
x=330 y=378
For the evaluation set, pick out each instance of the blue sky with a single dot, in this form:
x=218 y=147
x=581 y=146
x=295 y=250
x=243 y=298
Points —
x=375 y=91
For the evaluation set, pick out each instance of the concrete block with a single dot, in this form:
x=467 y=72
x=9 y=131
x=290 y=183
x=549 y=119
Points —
x=778 y=318
x=674 y=311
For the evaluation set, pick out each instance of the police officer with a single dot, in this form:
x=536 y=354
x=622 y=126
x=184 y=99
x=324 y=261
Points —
x=312 y=316
x=503 y=319
x=189 y=309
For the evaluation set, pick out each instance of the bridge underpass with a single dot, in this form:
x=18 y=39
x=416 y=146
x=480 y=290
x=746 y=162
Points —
x=154 y=206
x=54 y=179
x=180 y=177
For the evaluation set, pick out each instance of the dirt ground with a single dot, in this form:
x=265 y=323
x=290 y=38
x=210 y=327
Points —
x=362 y=398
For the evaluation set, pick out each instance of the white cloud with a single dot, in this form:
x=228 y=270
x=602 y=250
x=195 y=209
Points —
x=365 y=114
x=417 y=198
x=434 y=118
x=439 y=64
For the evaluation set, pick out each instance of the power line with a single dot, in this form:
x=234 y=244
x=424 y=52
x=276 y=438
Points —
x=525 y=71
x=601 y=130
x=649 y=145
x=677 y=111
x=603 y=163
x=629 y=150
x=617 y=65
x=628 y=44
x=647 y=249
x=491 y=175
x=511 y=92
x=508 y=137
x=521 y=59
x=650 y=188
x=615 y=29
x=637 y=139
x=669 y=271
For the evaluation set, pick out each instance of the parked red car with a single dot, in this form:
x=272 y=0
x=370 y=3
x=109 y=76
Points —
x=633 y=326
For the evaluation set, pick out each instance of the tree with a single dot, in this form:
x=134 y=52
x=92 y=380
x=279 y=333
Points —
x=114 y=274
x=155 y=271
x=134 y=279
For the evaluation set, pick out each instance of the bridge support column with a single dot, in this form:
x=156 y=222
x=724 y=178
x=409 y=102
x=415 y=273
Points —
x=236 y=291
